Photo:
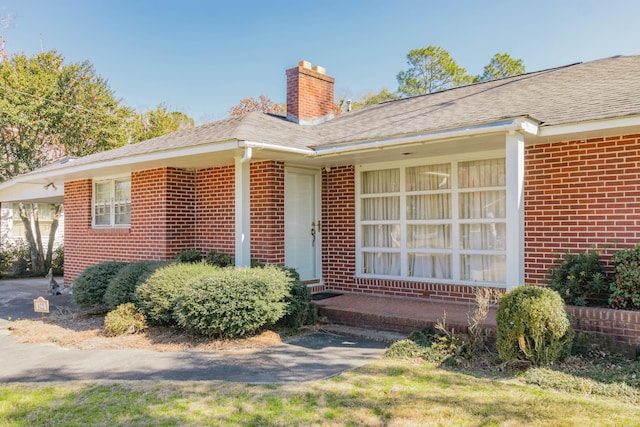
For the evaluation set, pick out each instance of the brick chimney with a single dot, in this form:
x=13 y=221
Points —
x=309 y=94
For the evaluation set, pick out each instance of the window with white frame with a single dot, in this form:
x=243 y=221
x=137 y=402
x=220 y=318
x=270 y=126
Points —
x=112 y=202
x=444 y=221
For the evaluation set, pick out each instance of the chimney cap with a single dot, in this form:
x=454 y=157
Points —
x=320 y=69
x=307 y=66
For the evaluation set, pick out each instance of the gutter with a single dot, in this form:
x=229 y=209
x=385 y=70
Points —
x=274 y=147
x=521 y=124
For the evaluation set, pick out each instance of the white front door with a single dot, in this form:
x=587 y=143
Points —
x=302 y=245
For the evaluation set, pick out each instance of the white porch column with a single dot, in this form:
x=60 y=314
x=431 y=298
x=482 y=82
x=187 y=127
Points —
x=515 y=209
x=243 y=212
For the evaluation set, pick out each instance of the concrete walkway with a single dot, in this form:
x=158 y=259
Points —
x=305 y=358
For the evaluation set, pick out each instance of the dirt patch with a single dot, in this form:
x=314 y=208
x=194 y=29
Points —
x=85 y=332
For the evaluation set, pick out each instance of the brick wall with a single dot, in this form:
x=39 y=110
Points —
x=215 y=211
x=620 y=326
x=338 y=228
x=267 y=212
x=162 y=221
x=175 y=209
x=77 y=206
x=579 y=194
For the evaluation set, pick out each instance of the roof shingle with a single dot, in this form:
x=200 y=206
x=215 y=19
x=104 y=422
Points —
x=574 y=93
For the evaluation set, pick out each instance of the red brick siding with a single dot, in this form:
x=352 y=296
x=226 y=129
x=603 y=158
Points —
x=77 y=211
x=215 y=211
x=180 y=214
x=173 y=210
x=621 y=326
x=339 y=228
x=578 y=194
x=215 y=216
x=267 y=212
x=162 y=221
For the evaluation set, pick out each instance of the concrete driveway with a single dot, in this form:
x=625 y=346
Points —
x=304 y=358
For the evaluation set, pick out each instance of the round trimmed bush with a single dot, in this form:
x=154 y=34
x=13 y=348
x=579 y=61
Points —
x=532 y=325
x=125 y=319
x=123 y=285
x=89 y=287
x=157 y=295
x=234 y=302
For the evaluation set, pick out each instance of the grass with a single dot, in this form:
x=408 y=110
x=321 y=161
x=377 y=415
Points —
x=387 y=392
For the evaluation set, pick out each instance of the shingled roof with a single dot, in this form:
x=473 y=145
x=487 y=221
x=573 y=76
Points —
x=265 y=128
x=576 y=93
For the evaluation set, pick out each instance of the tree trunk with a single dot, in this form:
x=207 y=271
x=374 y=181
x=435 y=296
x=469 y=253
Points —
x=52 y=235
x=30 y=221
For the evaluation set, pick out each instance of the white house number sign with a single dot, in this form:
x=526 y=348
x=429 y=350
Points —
x=41 y=305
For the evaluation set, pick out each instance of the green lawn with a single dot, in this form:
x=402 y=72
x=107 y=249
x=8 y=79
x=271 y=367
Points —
x=387 y=392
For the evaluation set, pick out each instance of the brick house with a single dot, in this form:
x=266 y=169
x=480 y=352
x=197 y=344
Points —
x=422 y=197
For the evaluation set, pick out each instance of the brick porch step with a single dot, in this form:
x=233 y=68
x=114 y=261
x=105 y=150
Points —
x=396 y=314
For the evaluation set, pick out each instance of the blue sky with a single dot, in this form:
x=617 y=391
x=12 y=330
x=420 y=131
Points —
x=203 y=57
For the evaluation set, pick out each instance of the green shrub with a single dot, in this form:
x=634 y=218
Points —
x=125 y=319
x=158 y=294
x=15 y=259
x=625 y=289
x=532 y=324
x=57 y=261
x=121 y=288
x=423 y=344
x=89 y=287
x=219 y=259
x=300 y=310
x=234 y=302
x=578 y=277
x=190 y=256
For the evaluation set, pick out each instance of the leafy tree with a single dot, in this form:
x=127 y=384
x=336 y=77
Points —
x=50 y=109
x=384 y=95
x=160 y=122
x=263 y=104
x=502 y=65
x=431 y=69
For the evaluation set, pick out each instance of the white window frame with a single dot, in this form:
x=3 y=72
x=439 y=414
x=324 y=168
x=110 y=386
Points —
x=455 y=251
x=112 y=202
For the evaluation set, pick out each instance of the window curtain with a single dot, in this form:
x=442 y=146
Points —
x=482 y=205
x=435 y=205
x=378 y=211
x=424 y=235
